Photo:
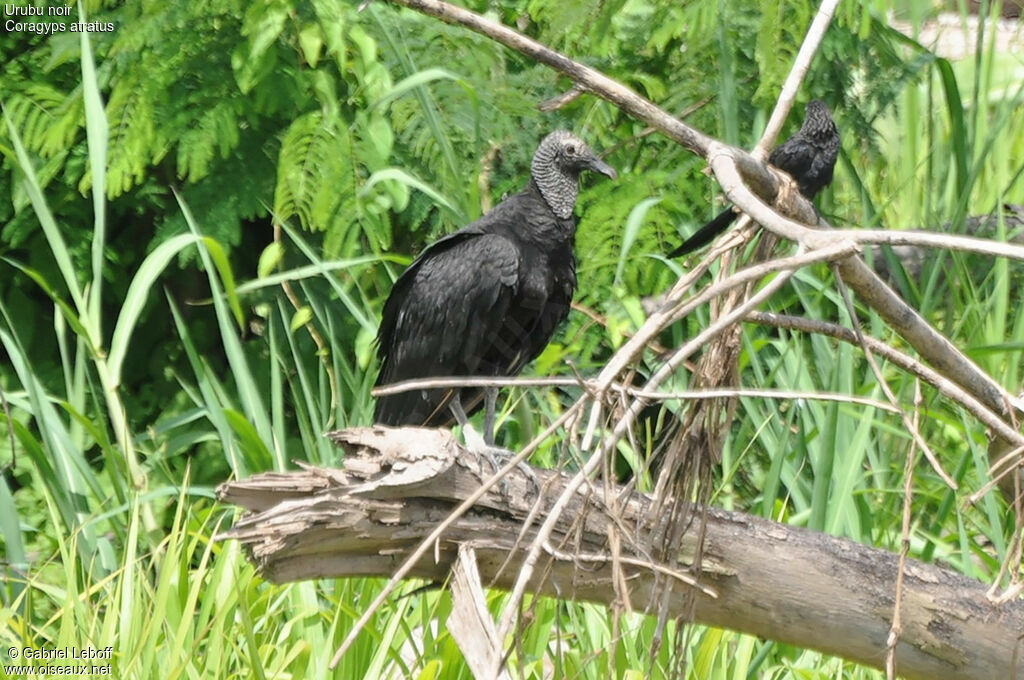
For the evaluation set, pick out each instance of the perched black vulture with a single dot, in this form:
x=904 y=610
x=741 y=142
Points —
x=486 y=299
x=808 y=156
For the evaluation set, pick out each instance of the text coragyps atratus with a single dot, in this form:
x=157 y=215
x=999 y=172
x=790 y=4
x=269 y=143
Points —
x=808 y=156
x=485 y=300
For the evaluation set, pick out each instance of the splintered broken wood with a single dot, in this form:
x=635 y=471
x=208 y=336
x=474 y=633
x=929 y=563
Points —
x=785 y=583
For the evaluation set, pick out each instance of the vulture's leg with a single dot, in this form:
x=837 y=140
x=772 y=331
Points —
x=490 y=400
x=496 y=452
x=469 y=435
x=484 y=447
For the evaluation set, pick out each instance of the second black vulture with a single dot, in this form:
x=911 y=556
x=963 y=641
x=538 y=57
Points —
x=809 y=157
x=485 y=300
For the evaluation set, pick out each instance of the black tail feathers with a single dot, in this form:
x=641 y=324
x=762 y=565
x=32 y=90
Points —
x=707 y=233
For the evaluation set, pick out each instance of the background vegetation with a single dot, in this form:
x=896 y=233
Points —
x=203 y=210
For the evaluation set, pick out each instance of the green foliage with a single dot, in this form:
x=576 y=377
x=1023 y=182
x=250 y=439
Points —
x=782 y=28
x=203 y=211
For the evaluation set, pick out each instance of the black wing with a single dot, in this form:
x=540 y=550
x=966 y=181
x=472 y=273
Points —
x=798 y=157
x=822 y=167
x=440 y=320
x=809 y=162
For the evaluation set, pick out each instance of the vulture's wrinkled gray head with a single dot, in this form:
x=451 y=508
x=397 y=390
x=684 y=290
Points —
x=556 y=168
x=818 y=123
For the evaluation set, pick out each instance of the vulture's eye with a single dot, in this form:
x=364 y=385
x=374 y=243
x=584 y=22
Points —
x=571 y=150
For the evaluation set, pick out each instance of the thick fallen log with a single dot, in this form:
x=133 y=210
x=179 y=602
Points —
x=758 y=577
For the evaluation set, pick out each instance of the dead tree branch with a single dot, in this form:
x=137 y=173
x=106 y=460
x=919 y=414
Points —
x=766 y=579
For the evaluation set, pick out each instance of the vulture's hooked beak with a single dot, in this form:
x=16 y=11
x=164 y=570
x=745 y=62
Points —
x=597 y=165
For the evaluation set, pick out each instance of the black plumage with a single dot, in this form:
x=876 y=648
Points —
x=485 y=300
x=809 y=157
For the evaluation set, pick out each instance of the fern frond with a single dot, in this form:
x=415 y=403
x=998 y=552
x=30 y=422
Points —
x=315 y=171
x=215 y=133
x=132 y=140
x=47 y=118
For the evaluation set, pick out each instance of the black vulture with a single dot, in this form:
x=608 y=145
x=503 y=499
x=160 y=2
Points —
x=485 y=300
x=808 y=156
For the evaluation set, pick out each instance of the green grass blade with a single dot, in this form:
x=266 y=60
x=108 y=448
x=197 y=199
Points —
x=74 y=483
x=352 y=306
x=138 y=292
x=208 y=398
x=400 y=175
x=417 y=79
x=16 y=562
x=955 y=109
x=54 y=239
x=96 y=133
x=393 y=35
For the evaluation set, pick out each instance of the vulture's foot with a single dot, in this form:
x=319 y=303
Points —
x=496 y=457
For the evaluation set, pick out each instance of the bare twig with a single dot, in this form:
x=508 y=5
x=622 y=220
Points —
x=1015 y=555
x=650 y=129
x=646 y=564
x=641 y=339
x=602 y=321
x=628 y=390
x=896 y=629
x=762 y=393
x=1003 y=467
x=927 y=239
x=561 y=100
